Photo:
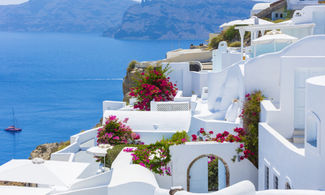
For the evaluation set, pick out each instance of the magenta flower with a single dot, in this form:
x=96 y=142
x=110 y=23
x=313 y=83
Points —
x=112 y=118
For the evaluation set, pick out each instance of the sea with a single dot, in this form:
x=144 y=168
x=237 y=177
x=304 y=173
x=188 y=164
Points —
x=55 y=83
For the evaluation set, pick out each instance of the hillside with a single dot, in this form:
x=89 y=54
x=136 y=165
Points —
x=64 y=15
x=180 y=19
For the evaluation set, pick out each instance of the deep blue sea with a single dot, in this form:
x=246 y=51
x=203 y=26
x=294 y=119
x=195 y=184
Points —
x=56 y=83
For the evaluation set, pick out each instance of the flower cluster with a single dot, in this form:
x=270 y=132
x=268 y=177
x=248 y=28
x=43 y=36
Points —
x=128 y=150
x=203 y=136
x=156 y=156
x=116 y=132
x=242 y=151
x=211 y=158
x=153 y=84
x=251 y=117
x=247 y=136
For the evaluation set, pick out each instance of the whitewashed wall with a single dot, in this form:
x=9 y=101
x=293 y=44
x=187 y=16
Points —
x=298 y=4
x=199 y=80
x=224 y=87
x=181 y=76
x=275 y=75
x=288 y=162
x=183 y=155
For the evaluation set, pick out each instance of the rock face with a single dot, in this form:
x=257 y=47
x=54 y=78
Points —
x=64 y=15
x=44 y=151
x=180 y=19
x=129 y=82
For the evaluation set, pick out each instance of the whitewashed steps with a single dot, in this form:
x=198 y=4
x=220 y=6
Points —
x=298 y=136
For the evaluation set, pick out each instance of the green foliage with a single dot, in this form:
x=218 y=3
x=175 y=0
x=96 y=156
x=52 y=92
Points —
x=215 y=42
x=231 y=34
x=251 y=117
x=131 y=65
x=235 y=44
x=63 y=145
x=112 y=153
x=154 y=156
x=157 y=156
x=179 y=137
x=213 y=174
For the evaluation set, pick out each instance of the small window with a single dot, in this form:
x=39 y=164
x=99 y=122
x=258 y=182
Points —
x=275 y=182
x=313 y=123
x=287 y=186
x=266 y=179
x=281 y=15
x=276 y=15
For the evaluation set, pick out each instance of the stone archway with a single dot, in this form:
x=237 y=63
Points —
x=202 y=156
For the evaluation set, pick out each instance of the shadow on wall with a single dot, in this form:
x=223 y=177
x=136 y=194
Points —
x=224 y=88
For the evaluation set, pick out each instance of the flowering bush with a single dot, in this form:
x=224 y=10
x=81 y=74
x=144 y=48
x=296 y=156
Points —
x=242 y=152
x=247 y=136
x=212 y=173
x=153 y=84
x=251 y=117
x=156 y=156
x=116 y=132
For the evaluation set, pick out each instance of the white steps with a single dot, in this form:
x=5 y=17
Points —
x=298 y=136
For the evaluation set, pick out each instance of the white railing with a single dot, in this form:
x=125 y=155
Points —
x=68 y=153
x=113 y=105
x=170 y=106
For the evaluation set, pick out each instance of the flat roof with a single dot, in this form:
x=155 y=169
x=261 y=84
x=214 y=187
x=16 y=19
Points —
x=273 y=26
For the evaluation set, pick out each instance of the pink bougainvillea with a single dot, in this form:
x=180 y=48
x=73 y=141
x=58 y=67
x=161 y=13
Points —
x=242 y=152
x=116 y=132
x=153 y=84
x=156 y=157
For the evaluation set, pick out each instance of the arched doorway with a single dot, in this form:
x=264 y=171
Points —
x=207 y=172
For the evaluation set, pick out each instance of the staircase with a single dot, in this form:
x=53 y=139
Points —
x=298 y=136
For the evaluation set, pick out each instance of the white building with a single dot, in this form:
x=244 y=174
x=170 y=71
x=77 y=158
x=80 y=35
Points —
x=291 y=131
x=299 y=4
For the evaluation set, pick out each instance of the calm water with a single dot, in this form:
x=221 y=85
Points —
x=57 y=82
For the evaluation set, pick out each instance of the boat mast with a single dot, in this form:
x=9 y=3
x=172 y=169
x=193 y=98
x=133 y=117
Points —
x=13 y=117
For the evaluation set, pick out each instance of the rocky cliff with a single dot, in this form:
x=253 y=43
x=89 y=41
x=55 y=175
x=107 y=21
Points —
x=44 y=151
x=129 y=81
x=180 y=19
x=64 y=15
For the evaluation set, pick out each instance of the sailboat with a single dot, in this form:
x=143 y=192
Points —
x=13 y=127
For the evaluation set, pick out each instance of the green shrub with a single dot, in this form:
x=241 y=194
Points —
x=179 y=137
x=213 y=173
x=231 y=34
x=131 y=65
x=251 y=117
x=157 y=156
x=235 y=44
x=112 y=153
x=215 y=42
x=63 y=145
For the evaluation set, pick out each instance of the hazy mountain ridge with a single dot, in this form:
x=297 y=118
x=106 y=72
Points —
x=180 y=19
x=63 y=15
